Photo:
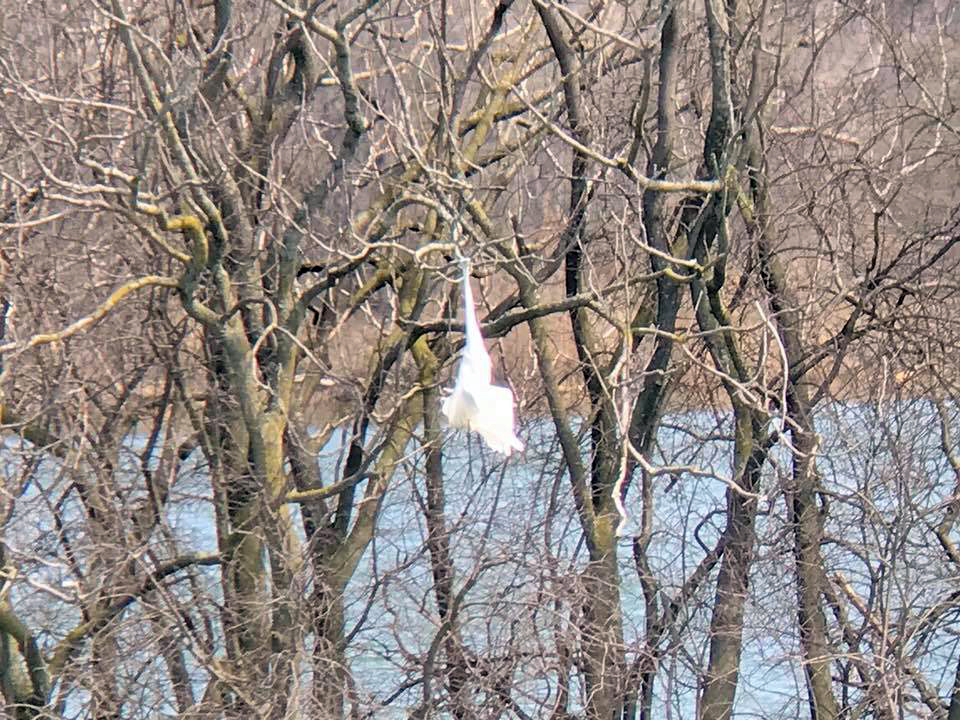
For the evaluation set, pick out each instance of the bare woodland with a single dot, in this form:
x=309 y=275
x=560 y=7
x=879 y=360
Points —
x=713 y=246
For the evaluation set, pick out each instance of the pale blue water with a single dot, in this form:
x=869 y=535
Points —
x=513 y=523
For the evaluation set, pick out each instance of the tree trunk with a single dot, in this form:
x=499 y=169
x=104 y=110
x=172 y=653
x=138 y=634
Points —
x=802 y=497
x=329 y=663
x=807 y=532
x=602 y=631
x=739 y=539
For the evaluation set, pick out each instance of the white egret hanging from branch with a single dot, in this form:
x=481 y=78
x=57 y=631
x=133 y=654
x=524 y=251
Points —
x=475 y=403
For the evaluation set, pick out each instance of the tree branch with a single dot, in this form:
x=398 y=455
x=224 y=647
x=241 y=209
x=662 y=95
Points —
x=96 y=316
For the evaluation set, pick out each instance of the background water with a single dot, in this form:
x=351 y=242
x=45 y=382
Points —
x=515 y=536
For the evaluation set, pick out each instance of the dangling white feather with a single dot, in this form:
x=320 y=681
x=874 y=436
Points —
x=475 y=403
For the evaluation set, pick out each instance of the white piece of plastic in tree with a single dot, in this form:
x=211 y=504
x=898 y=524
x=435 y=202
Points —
x=476 y=403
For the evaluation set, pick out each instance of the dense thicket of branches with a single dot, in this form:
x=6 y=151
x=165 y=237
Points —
x=713 y=244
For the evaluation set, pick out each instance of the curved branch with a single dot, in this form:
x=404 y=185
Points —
x=71 y=643
x=96 y=316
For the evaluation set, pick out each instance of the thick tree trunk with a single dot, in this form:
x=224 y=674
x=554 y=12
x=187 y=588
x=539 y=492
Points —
x=953 y=712
x=808 y=532
x=739 y=540
x=329 y=663
x=602 y=632
x=802 y=497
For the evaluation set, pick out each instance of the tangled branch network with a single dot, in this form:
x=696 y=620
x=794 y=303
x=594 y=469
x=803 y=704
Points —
x=475 y=403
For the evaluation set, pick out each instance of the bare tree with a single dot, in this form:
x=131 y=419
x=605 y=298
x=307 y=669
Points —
x=713 y=248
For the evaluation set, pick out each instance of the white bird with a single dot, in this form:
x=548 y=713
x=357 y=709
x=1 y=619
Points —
x=475 y=403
